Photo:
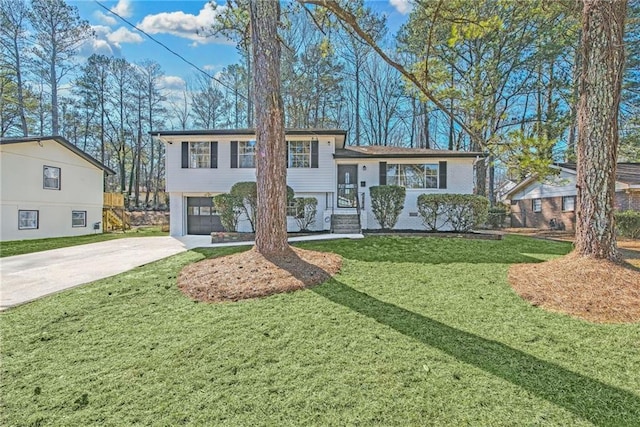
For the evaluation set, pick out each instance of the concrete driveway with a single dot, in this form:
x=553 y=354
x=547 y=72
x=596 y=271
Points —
x=27 y=277
x=24 y=278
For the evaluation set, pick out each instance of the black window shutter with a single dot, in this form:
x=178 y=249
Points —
x=314 y=154
x=442 y=172
x=234 y=154
x=185 y=154
x=383 y=173
x=214 y=154
x=286 y=154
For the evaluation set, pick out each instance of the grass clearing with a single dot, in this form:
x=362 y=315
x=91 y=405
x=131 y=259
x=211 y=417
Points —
x=19 y=247
x=413 y=331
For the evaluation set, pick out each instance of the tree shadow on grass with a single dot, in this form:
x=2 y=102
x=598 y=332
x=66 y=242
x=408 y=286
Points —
x=588 y=398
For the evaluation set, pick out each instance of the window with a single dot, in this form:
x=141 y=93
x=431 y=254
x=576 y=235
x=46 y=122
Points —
x=246 y=154
x=299 y=154
x=292 y=208
x=199 y=155
x=79 y=218
x=569 y=203
x=413 y=176
x=51 y=178
x=536 y=205
x=27 y=220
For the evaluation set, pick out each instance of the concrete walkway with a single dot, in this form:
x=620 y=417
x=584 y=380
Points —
x=24 y=278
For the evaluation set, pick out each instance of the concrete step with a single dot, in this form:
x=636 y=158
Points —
x=345 y=224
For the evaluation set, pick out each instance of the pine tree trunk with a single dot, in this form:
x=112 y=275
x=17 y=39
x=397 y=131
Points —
x=271 y=171
x=602 y=53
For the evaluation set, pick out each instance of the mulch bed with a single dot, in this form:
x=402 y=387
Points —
x=251 y=275
x=444 y=234
x=591 y=289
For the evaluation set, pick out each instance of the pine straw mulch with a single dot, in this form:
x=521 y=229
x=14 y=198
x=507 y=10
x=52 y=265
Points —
x=595 y=290
x=251 y=275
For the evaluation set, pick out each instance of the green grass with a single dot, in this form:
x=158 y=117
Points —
x=19 y=247
x=413 y=331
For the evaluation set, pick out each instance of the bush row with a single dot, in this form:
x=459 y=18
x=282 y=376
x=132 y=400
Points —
x=461 y=212
x=628 y=223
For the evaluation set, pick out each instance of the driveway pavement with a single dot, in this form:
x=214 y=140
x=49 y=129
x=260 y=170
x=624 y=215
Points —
x=24 y=278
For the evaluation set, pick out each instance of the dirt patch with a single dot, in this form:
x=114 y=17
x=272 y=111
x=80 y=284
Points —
x=251 y=275
x=595 y=290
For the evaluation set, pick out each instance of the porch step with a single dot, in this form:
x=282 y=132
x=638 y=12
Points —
x=345 y=224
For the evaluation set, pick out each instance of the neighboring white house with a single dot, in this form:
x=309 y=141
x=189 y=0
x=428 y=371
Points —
x=49 y=188
x=550 y=202
x=201 y=164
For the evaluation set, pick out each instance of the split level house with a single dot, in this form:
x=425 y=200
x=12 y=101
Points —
x=203 y=163
x=48 y=188
x=550 y=202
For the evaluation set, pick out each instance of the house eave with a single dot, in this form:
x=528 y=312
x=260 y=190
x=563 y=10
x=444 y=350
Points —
x=62 y=141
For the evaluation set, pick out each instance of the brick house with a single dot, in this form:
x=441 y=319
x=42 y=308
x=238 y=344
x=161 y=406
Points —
x=551 y=202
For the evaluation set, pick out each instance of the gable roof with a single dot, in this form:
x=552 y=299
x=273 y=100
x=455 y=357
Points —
x=66 y=144
x=382 y=152
x=626 y=173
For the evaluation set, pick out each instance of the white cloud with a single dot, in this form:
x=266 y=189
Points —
x=124 y=8
x=402 y=6
x=123 y=35
x=182 y=24
x=172 y=83
x=108 y=42
x=210 y=67
x=104 y=18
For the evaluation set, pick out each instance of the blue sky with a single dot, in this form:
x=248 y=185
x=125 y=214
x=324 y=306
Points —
x=174 y=23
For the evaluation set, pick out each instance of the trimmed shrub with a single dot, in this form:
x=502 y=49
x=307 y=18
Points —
x=461 y=211
x=628 y=224
x=431 y=208
x=305 y=211
x=228 y=206
x=247 y=193
x=387 y=201
x=496 y=216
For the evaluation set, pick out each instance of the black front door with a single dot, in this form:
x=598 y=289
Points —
x=347 y=186
x=201 y=217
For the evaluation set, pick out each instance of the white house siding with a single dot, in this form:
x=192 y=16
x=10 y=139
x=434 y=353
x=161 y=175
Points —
x=556 y=186
x=459 y=181
x=22 y=189
x=178 y=222
x=188 y=182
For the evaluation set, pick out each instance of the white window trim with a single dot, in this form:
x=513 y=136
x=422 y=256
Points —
x=84 y=218
x=533 y=205
x=306 y=155
x=573 y=208
x=402 y=177
x=196 y=158
x=244 y=145
x=44 y=177
x=37 y=219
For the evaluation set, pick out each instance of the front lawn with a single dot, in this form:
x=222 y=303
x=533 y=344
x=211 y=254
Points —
x=19 y=247
x=413 y=331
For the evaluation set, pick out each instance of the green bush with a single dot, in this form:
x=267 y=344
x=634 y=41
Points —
x=247 y=193
x=305 y=211
x=461 y=211
x=228 y=206
x=431 y=207
x=387 y=201
x=628 y=223
x=496 y=216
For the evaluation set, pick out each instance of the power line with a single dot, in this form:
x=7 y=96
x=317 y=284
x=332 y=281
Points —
x=169 y=49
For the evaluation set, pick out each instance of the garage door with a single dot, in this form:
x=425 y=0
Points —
x=201 y=217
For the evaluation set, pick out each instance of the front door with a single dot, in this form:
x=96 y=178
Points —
x=347 y=186
x=201 y=216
